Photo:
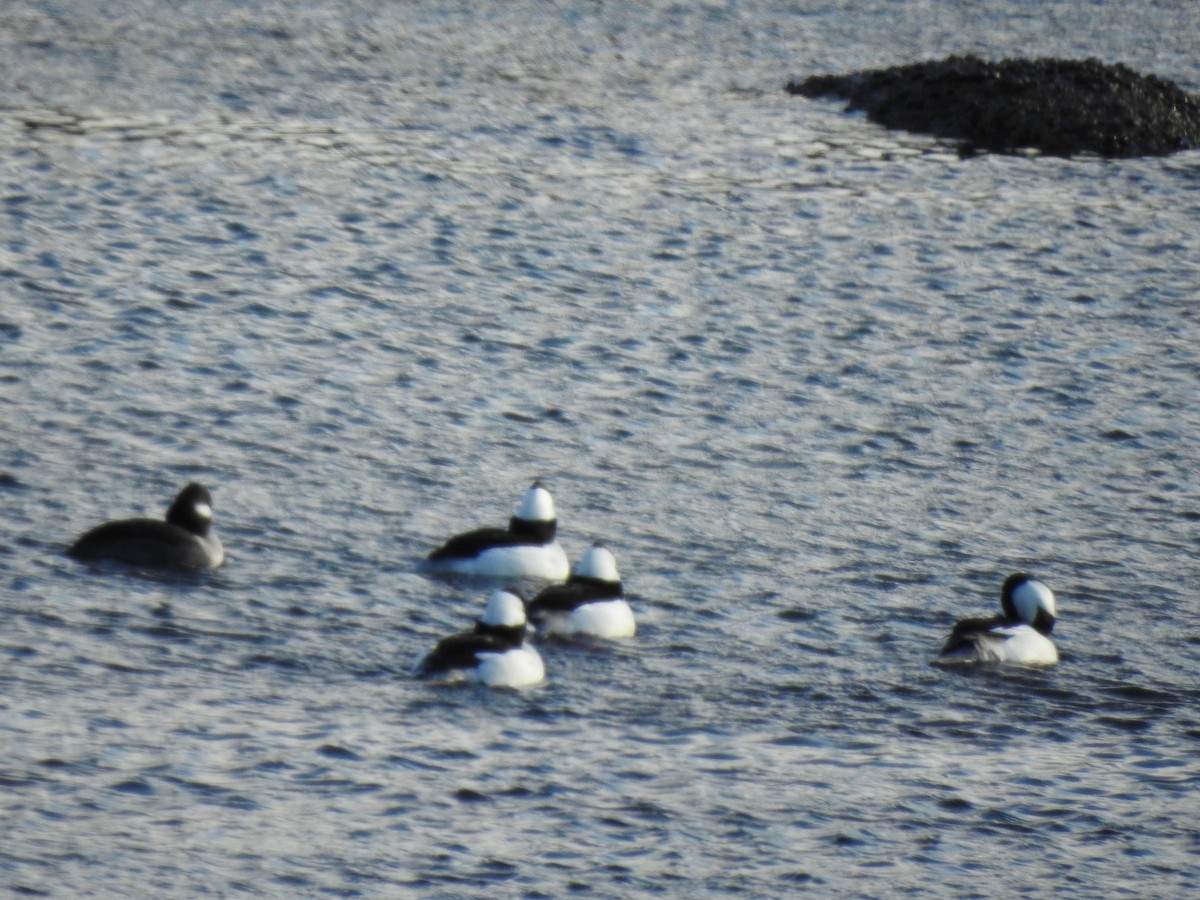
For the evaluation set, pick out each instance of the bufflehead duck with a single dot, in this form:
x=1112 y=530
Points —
x=1021 y=635
x=590 y=603
x=495 y=653
x=185 y=540
x=526 y=549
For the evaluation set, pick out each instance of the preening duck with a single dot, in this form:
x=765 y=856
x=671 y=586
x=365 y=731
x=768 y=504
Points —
x=1021 y=635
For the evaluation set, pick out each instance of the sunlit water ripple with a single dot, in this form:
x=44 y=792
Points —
x=368 y=270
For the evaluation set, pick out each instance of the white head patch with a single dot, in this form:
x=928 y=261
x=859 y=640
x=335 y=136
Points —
x=537 y=505
x=598 y=563
x=504 y=610
x=203 y=511
x=1029 y=597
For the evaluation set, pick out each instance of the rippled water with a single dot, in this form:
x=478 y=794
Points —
x=368 y=269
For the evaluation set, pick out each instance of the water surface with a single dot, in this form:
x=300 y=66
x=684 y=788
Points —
x=368 y=269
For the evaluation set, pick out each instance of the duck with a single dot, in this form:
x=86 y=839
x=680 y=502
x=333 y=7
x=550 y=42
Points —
x=494 y=653
x=184 y=541
x=591 y=603
x=527 y=548
x=1020 y=635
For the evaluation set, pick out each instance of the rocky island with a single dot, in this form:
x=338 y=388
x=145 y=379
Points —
x=1059 y=107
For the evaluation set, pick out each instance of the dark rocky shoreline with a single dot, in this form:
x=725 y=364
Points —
x=1059 y=107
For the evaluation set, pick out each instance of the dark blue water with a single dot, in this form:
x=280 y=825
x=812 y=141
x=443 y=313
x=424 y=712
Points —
x=369 y=269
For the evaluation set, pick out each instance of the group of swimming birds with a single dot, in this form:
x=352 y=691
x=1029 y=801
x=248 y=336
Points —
x=586 y=602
